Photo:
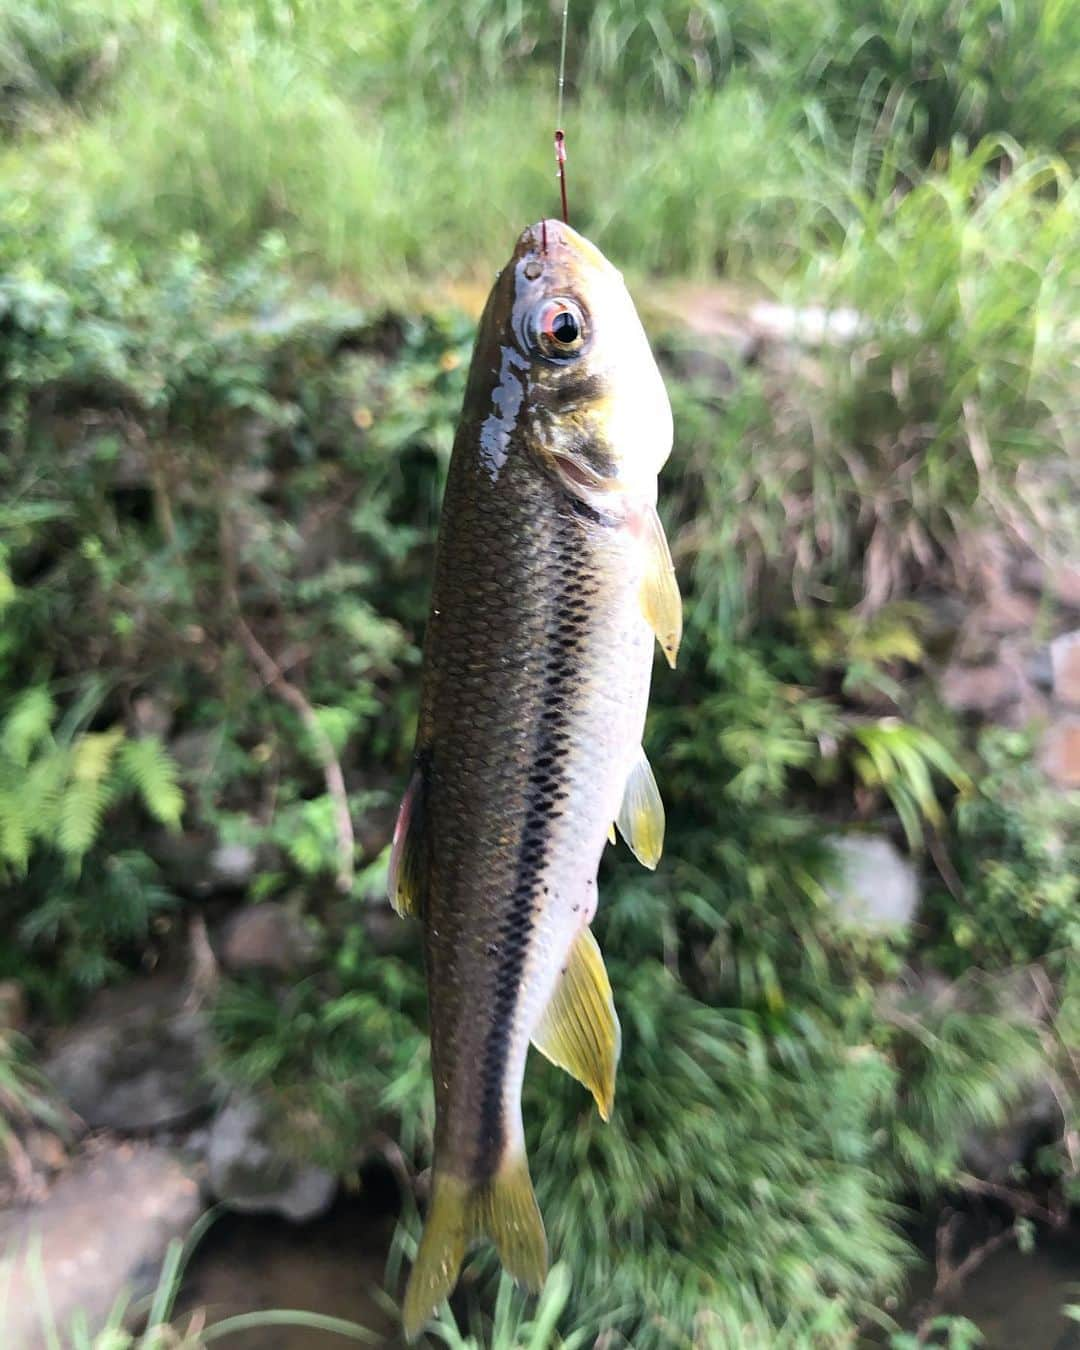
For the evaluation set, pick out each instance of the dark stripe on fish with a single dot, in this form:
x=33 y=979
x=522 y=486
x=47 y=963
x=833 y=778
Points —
x=545 y=793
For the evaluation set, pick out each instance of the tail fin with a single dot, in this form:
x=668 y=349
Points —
x=503 y=1209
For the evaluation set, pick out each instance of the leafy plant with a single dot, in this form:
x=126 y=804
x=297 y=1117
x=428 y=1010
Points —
x=56 y=790
x=900 y=759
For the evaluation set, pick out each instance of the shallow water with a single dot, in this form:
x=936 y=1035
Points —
x=332 y=1266
x=1015 y=1300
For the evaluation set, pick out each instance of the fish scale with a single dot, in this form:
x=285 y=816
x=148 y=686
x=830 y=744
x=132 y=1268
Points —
x=551 y=578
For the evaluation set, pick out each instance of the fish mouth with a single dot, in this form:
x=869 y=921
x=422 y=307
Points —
x=553 y=240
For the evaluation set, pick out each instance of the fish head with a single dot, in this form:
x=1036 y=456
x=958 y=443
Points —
x=575 y=378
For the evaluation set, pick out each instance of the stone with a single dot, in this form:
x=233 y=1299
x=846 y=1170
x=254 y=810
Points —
x=136 y=1062
x=875 y=888
x=812 y=325
x=249 y=1173
x=45 y=1150
x=1063 y=582
x=232 y=866
x=1005 y=611
x=979 y=689
x=1065 y=664
x=267 y=937
x=196 y=750
x=1059 y=754
x=1040 y=669
x=101 y=1230
x=152 y=715
x=12 y=1006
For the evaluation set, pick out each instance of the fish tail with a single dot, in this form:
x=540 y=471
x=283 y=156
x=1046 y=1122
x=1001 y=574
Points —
x=502 y=1208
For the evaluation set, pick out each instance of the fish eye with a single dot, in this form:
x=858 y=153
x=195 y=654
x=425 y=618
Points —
x=559 y=328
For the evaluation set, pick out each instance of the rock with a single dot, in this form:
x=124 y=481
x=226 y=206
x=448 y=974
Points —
x=709 y=362
x=812 y=325
x=248 y=1173
x=1006 y=611
x=232 y=866
x=102 y=1229
x=876 y=889
x=152 y=715
x=1063 y=582
x=1034 y=1121
x=920 y=997
x=979 y=689
x=137 y=1061
x=12 y=1006
x=1040 y=669
x=1065 y=664
x=1059 y=754
x=196 y=750
x=384 y=930
x=267 y=937
x=199 y=864
x=375 y=829
x=45 y=1150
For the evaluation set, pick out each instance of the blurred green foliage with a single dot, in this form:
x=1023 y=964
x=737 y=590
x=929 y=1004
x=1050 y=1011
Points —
x=216 y=441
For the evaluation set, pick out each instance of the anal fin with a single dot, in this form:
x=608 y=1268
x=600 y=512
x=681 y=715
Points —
x=661 y=602
x=641 y=817
x=405 y=878
x=580 y=1030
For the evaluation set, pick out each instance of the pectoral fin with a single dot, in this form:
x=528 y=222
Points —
x=641 y=816
x=405 y=878
x=580 y=1031
x=660 y=599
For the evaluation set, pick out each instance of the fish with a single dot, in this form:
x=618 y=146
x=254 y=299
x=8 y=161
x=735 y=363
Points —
x=553 y=578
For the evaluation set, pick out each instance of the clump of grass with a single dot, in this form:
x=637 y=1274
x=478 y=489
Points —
x=857 y=463
x=271 y=143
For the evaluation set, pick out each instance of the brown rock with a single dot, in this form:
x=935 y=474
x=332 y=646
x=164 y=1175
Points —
x=266 y=937
x=980 y=689
x=1065 y=662
x=103 y=1227
x=1063 y=583
x=46 y=1150
x=137 y=1059
x=1060 y=753
x=12 y=1005
x=1006 y=612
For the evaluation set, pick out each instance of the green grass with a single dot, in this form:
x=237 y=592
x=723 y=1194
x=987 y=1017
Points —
x=401 y=147
x=203 y=209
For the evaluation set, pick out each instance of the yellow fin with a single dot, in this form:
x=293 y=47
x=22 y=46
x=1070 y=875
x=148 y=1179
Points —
x=611 y=833
x=405 y=877
x=503 y=1209
x=661 y=602
x=580 y=1030
x=641 y=816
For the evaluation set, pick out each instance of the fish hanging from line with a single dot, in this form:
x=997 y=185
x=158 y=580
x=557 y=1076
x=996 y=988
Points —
x=552 y=577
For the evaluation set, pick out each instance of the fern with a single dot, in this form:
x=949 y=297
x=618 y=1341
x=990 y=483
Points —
x=57 y=795
x=148 y=767
x=27 y=724
x=79 y=819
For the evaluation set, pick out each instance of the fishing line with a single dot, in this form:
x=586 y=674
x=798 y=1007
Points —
x=560 y=135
